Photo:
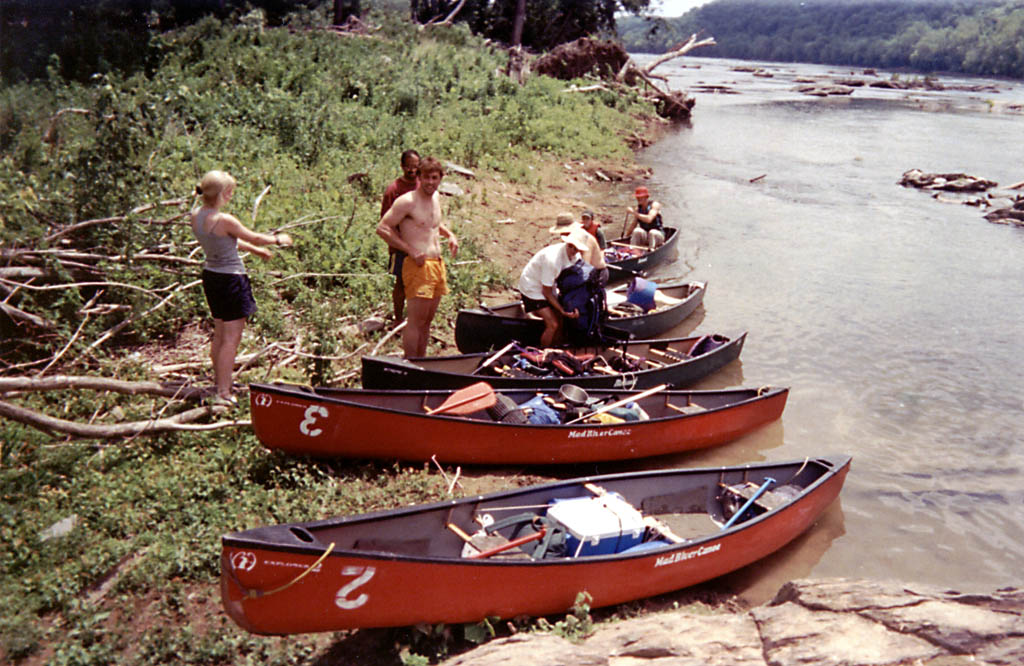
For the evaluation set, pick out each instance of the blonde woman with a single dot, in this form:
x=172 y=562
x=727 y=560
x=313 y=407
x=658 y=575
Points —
x=225 y=282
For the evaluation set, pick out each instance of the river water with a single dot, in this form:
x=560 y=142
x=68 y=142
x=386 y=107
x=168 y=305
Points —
x=896 y=319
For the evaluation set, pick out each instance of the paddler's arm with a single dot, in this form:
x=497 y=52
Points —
x=550 y=297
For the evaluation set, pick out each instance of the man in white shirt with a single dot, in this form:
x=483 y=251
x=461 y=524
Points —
x=537 y=284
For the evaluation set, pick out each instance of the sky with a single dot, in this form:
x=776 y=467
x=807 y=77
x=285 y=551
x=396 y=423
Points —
x=674 y=7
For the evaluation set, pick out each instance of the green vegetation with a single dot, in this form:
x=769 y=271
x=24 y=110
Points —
x=546 y=23
x=91 y=36
x=322 y=119
x=983 y=37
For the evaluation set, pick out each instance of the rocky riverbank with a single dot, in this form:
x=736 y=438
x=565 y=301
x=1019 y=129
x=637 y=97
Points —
x=832 y=621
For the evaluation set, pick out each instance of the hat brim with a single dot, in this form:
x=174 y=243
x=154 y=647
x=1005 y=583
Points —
x=563 y=228
x=579 y=245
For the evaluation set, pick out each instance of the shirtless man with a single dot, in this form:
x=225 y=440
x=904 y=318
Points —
x=404 y=183
x=413 y=225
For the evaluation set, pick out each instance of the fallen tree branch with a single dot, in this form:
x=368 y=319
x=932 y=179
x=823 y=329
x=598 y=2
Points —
x=392 y=332
x=50 y=135
x=256 y=205
x=73 y=285
x=78 y=331
x=62 y=255
x=178 y=422
x=301 y=223
x=77 y=382
x=687 y=46
x=63 y=231
x=303 y=354
x=590 y=88
x=18 y=314
x=305 y=275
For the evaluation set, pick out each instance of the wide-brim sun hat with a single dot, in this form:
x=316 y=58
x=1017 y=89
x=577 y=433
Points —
x=577 y=238
x=563 y=224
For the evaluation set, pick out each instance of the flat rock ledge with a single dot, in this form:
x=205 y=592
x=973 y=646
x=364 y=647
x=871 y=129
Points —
x=834 y=621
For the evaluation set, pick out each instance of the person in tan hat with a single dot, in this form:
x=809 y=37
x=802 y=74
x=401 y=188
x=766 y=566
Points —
x=592 y=253
x=563 y=223
x=537 y=284
x=645 y=228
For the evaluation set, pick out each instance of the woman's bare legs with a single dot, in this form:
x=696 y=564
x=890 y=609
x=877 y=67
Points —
x=227 y=335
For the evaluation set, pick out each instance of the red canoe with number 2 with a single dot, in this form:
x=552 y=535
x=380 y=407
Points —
x=528 y=551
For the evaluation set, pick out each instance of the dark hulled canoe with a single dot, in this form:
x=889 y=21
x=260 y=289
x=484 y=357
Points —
x=359 y=423
x=451 y=372
x=480 y=329
x=624 y=269
x=406 y=566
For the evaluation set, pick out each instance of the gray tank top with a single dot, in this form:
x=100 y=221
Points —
x=221 y=251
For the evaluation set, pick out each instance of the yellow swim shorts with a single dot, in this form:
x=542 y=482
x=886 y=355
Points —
x=427 y=281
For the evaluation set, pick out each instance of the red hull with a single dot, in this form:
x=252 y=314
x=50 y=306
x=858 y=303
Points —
x=304 y=423
x=350 y=589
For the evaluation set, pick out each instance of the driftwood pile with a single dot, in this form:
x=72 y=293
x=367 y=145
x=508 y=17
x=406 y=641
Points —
x=612 y=69
x=1004 y=207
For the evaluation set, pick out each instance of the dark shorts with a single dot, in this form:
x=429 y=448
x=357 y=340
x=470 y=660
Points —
x=229 y=295
x=395 y=259
x=532 y=304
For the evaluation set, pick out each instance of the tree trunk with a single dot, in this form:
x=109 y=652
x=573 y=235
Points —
x=520 y=20
x=343 y=9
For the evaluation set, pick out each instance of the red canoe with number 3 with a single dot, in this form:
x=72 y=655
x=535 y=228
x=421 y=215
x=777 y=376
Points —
x=395 y=425
x=522 y=552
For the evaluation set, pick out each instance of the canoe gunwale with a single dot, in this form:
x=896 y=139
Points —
x=407 y=373
x=834 y=465
x=762 y=394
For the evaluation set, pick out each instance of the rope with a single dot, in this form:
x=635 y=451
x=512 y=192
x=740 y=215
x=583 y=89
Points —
x=256 y=594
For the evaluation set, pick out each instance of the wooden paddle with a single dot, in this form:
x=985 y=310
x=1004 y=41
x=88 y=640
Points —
x=620 y=403
x=467 y=400
x=495 y=356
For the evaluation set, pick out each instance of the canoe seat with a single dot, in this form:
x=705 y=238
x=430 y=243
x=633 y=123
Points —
x=770 y=499
x=671 y=354
x=685 y=409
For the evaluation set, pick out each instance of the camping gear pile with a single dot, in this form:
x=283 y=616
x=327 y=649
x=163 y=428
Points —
x=534 y=362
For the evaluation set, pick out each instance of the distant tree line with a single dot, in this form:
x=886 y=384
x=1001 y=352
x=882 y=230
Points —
x=980 y=37
x=76 y=39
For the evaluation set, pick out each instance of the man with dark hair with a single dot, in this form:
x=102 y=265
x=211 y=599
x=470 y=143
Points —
x=401 y=185
x=414 y=225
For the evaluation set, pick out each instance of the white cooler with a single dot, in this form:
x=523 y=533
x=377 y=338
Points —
x=598 y=525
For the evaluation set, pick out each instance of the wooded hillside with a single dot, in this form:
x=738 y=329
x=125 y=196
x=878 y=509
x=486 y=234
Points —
x=984 y=37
